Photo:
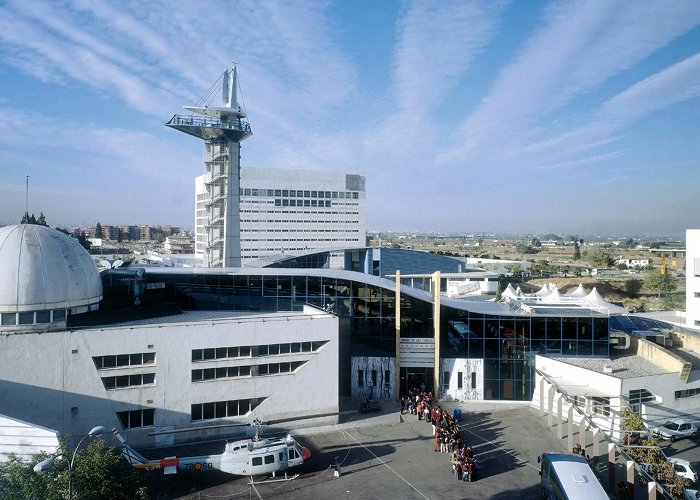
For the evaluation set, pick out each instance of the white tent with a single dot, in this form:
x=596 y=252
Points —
x=579 y=292
x=554 y=296
x=595 y=299
x=509 y=292
x=544 y=291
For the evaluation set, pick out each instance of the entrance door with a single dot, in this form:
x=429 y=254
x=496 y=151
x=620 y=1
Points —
x=415 y=377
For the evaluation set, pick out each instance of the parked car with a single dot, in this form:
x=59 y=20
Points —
x=692 y=494
x=683 y=468
x=676 y=428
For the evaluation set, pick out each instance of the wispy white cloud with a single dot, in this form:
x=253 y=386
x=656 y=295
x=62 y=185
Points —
x=677 y=83
x=579 y=46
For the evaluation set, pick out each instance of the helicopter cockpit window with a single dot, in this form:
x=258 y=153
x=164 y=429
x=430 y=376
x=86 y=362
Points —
x=257 y=461
x=269 y=459
x=292 y=453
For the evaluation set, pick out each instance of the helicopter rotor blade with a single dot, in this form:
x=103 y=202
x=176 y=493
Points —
x=252 y=424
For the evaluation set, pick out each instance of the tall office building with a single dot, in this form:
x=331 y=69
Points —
x=291 y=211
x=222 y=129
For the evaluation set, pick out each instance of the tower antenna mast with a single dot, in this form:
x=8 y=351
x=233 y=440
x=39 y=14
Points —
x=27 y=196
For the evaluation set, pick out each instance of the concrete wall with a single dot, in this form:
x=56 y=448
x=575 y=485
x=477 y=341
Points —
x=51 y=380
x=385 y=388
x=659 y=355
x=466 y=367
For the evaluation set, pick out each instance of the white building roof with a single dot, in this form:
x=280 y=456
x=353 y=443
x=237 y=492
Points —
x=24 y=439
x=42 y=268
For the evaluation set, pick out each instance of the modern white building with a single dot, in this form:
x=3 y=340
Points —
x=286 y=212
x=64 y=365
x=692 y=278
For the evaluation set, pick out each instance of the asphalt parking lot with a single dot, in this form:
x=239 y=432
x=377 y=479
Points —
x=687 y=449
x=384 y=455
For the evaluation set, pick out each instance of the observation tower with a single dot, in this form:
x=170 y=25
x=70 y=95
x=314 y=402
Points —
x=222 y=129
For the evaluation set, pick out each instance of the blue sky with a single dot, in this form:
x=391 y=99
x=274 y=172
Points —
x=568 y=117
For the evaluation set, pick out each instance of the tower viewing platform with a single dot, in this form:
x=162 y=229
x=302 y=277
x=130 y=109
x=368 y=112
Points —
x=205 y=128
x=222 y=128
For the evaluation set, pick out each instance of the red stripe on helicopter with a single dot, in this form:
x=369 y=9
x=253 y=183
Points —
x=170 y=462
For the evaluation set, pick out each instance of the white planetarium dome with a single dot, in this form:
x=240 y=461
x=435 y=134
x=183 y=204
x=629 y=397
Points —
x=45 y=269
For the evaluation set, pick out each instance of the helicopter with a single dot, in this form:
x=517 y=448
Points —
x=246 y=457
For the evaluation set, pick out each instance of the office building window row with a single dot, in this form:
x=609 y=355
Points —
x=136 y=418
x=228 y=372
x=125 y=381
x=223 y=409
x=32 y=317
x=299 y=193
x=124 y=360
x=255 y=351
x=688 y=393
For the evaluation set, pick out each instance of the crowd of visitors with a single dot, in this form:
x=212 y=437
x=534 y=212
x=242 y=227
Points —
x=448 y=436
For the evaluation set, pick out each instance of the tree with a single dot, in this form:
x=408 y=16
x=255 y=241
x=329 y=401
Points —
x=577 y=250
x=633 y=287
x=660 y=283
x=82 y=239
x=31 y=219
x=98 y=230
x=98 y=472
x=599 y=257
x=522 y=247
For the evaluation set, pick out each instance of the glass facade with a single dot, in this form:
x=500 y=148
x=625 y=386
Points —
x=367 y=322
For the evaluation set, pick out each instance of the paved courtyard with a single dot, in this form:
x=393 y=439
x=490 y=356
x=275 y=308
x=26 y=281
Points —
x=384 y=455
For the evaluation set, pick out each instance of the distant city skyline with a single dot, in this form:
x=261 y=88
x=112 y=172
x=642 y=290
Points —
x=569 y=117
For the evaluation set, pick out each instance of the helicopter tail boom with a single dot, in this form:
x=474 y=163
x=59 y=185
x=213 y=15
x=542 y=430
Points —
x=132 y=456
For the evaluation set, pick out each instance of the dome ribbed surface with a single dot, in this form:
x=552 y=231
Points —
x=42 y=268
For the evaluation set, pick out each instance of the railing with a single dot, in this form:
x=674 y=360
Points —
x=196 y=121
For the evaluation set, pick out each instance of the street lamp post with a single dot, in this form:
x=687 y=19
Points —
x=45 y=465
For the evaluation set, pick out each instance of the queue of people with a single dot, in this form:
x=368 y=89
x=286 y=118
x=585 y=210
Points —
x=448 y=436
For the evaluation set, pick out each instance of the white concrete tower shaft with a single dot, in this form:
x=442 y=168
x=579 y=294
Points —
x=222 y=129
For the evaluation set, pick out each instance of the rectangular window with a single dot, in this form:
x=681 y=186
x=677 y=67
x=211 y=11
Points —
x=688 y=393
x=26 y=318
x=459 y=380
x=360 y=378
x=43 y=316
x=9 y=319
x=473 y=380
x=124 y=381
x=446 y=380
x=126 y=360
x=256 y=461
x=221 y=409
x=136 y=418
x=269 y=459
x=387 y=378
x=374 y=378
x=601 y=406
